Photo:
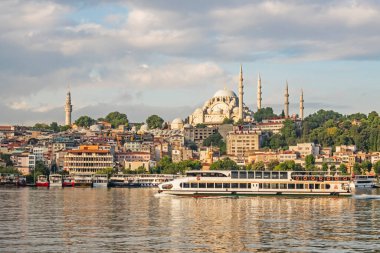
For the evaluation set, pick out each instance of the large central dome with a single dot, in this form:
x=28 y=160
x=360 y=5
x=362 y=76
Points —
x=224 y=93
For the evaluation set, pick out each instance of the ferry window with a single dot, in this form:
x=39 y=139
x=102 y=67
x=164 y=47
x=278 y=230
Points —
x=226 y=185
x=251 y=174
x=317 y=186
x=218 y=185
x=194 y=185
x=243 y=185
x=274 y=186
x=249 y=186
x=311 y=186
x=234 y=174
x=327 y=186
x=210 y=185
x=186 y=185
x=234 y=185
x=243 y=174
x=283 y=175
x=258 y=174
x=202 y=185
x=322 y=186
x=275 y=175
x=282 y=186
x=299 y=186
x=306 y=186
x=266 y=175
x=266 y=186
x=260 y=186
x=291 y=186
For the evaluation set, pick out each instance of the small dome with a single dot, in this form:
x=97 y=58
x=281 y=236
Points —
x=144 y=128
x=177 y=121
x=187 y=126
x=224 y=93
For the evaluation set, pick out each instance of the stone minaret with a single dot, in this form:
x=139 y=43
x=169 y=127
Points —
x=68 y=109
x=241 y=93
x=259 y=93
x=301 y=105
x=286 y=101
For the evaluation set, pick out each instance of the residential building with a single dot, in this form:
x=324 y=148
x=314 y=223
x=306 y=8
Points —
x=242 y=143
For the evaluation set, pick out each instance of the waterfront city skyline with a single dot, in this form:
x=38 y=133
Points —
x=144 y=58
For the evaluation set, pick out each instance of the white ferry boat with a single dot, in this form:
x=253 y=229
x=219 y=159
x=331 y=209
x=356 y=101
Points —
x=152 y=180
x=55 y=180
x=245 y=183
x=82 y=180
x=364 y=181
x=99 y=180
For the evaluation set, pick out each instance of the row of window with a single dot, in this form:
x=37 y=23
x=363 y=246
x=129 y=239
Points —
x=248 y=186
x=259 y=174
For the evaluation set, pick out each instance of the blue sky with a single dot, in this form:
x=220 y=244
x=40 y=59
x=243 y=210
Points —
x=169 y=57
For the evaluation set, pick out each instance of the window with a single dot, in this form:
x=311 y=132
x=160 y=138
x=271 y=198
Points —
x=234 y=185
x=274 y=186
x=218 y=185
x=251 y=174
x=283 y=175
x=243 y=185
x=299 y=186
x=210 y=185
x=226 y=185
x=283 y=186
x=291 y=186
x=327 y=186
x=275 y=175
x=258 y=174
x=311 y=186
x=243 y=174
x=234 y=174
x=266 y=175
x=266 y=186
x=194 y=185
x=202 y=185
x=317 y=186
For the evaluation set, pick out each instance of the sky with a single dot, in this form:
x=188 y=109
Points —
x=169 y=57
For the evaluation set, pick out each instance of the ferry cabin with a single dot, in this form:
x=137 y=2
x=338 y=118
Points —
x=204 y=183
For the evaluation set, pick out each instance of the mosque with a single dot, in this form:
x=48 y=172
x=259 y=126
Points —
x=226 y=104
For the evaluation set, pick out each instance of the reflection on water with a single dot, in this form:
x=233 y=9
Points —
x=139 y=220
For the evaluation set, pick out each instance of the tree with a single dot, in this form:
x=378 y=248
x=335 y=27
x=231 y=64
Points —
x=309 y=162
x=272 y=164
x=225 y=164
x=343 y=168
x=108 y=171
x=54 y=126
x=228 y=121
x=200 y=125
x=258 y=166
x=366 y=166
x=376 y=167
x=264 y=113
x=85 y=121
x=356 y=169
x=154 y=122
x=325 y=167
x=213 y=139
x=116 y=119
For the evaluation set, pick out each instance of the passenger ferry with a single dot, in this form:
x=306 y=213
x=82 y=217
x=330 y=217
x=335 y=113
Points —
x=245 y=183
x=42 y=181
x=139 y=180
x=68 y=181
x=119 y=181
x=55 y=180
x=82 y=180
x=99 y=180
x=364 y=181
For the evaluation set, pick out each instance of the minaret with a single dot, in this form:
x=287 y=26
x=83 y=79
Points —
x=241 y=93
x=68 y=109
x=259 y=93
x=301 y=105
x=286 y=101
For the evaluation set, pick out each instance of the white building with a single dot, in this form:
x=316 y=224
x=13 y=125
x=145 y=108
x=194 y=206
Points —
x=305 y=149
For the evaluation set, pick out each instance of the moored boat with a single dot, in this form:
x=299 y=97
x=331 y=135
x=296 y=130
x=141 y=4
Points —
x=245 y=183
x=100 y=180
x=42 y=181
x=82 y=180
x=118 y=181
x=21 y=181
x=68 y=181
x=9 y=180
x=364 y=181
x=55 y=180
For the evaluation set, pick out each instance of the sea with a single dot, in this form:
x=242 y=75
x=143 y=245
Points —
x=141 y=220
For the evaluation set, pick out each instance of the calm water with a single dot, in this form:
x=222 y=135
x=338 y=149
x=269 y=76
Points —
x=137 y=220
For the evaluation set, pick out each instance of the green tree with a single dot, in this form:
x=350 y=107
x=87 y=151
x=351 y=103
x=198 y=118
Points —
x=376 y=167
x=264 y=113
x=258 y=166
x=7 y=159
x=357 y=169
x=325 y=166
x=225 y=164
x=200 y=125
x=154 y=122
x=116 y=119
x=228 y=121
x=272 y=164
x=85 y=121
x=366 y=166
x=54 y=126
x=107 y=171
x=343 y=168
x=309 y=162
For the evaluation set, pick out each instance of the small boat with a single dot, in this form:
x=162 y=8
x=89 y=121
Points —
x=253 y=183
x=9 y=180
x=55 y=180
x=21 y=181
x=68 y=181
x=42 y=181
x=82 y=180
x=99 y=180
x=118 y=181
x=364 y=181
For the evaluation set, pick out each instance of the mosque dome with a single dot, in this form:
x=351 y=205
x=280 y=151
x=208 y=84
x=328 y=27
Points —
x=224 y=93
x=144 y=128
x=177 y=121
x=177 y=124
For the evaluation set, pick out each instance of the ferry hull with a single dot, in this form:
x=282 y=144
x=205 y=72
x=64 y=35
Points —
x=42 y=184
x=68 y=184
x=99 y=185
x=83 y=185
x=59 y=184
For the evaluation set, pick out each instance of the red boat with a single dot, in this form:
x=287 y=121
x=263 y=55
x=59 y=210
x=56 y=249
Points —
x=68 y=181
x=42 y=181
